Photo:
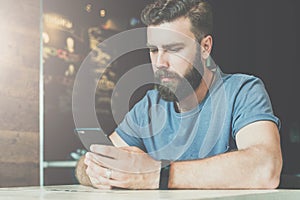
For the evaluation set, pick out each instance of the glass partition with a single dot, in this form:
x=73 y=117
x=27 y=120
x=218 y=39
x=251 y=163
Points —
x=247 y=38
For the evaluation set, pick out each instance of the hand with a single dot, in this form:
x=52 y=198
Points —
x=128 y=167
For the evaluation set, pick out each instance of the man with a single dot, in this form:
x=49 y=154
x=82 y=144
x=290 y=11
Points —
x=216 y=131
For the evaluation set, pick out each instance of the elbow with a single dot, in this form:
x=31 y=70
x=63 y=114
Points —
x=269 y=177
x=271 y=182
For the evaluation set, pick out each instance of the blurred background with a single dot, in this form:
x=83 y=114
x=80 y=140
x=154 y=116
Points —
x=49 y=39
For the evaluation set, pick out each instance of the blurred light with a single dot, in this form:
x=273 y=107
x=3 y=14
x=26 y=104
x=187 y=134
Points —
x=70 y=44
x=102 y=13
x=56 y=20
x=88 y=7
x=71 y=69
x=46 y=38
x=134 y=21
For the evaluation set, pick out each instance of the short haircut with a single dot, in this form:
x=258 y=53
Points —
x=198 y=12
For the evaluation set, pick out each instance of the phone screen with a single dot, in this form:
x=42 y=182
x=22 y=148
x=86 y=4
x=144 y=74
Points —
x=89 y=136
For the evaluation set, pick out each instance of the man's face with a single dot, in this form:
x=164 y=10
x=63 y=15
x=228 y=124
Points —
x=175 y=57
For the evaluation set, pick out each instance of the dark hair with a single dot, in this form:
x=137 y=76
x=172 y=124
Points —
x=198 y=12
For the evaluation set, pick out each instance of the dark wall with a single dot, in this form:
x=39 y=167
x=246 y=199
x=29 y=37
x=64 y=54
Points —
x=262 y=38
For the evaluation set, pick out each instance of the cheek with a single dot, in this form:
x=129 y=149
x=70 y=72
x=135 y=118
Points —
x=153 y=59
x=154 y=69
x=151 y=56
x=180 y=65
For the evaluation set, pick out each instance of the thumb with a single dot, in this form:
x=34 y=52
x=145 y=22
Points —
x=132 y=149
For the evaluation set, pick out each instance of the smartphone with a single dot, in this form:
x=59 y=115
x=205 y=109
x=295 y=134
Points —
x=89 y=136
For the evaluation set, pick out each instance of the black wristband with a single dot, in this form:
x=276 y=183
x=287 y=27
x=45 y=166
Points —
x=164 y=174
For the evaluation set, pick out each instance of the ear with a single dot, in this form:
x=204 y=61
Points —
x=206 y=46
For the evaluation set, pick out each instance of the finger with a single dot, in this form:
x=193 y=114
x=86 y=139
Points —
x=130 y=182
x=117 y=179
x=100 y=185
x=105 y=161
x=129 y=162
x=97 y=175
x=115 y=152
x=96 y=170
x=132 y=149
x=97 y=180
x=119 y=183
x=115 y=158
x=103 y=187
x=94 y=180
x=92 y=157
x=104 y=150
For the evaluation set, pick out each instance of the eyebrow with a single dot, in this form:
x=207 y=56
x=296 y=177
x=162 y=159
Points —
x=167 y=46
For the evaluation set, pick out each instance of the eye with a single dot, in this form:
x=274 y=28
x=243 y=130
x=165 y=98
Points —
x=174 y=49
x=153 y=50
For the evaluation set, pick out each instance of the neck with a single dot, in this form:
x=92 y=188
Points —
x=200 y=93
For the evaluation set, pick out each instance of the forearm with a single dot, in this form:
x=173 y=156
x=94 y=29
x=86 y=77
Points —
x=80 y=173
x=255 y=167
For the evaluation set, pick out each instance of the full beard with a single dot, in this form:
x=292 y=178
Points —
x=178 y=88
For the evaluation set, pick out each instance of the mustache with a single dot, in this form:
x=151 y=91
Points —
x=163 y=73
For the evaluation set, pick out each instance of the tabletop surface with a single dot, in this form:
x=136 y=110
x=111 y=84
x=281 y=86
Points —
x=75 y=192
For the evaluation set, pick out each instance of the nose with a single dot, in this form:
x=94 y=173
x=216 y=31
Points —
x=161 y=60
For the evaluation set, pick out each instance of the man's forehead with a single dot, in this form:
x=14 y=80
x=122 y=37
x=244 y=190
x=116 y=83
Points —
x=158 y=35
x=181 y=25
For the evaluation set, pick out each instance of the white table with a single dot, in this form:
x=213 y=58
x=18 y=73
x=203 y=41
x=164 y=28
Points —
x=78 y=192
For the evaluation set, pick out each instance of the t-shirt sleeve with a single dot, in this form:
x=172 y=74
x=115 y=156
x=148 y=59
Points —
x=134 y=121
x=252 y=104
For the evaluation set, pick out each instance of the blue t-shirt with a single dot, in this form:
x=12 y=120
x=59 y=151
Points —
x=233 y=101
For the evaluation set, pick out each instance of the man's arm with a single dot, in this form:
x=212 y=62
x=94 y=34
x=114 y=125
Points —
x=256 y=164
